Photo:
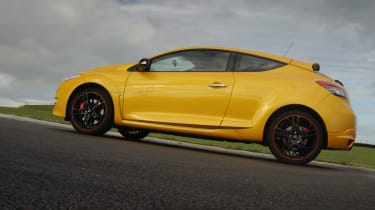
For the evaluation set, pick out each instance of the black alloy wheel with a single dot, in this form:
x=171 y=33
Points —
x=91 y=111
x=295 y=137
x=133 y=133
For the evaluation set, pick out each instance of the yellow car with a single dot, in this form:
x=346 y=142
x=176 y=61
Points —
x=218 y=92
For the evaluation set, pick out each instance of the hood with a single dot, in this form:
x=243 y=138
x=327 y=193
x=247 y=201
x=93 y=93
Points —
x=120 y=67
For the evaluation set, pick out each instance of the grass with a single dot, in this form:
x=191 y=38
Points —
x=358 y=156
x=39 y=112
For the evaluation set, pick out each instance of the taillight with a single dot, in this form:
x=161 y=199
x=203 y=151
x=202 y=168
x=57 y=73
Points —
x=335 y=89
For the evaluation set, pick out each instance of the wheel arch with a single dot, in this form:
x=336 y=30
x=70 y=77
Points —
x=81 y=87
x=296 y=107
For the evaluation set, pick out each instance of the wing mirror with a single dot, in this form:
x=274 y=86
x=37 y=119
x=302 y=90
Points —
x=143 y=65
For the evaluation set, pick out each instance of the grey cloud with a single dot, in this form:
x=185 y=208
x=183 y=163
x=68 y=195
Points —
x=336 y=14
x=54 y=39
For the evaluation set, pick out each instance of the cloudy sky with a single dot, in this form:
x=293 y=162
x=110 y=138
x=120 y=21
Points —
x=44 y=41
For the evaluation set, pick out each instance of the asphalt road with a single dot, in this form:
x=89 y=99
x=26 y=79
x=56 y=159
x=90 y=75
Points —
x=45 y=166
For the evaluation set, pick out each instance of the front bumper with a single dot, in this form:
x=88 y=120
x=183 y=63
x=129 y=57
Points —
x=62 y=95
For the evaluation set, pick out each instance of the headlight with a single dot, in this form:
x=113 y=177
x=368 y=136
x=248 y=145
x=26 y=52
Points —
x=71 y=77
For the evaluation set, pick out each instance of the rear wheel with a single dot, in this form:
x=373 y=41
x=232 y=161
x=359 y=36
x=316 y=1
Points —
x=91 y=111
x=133 y=133
x=295 y=137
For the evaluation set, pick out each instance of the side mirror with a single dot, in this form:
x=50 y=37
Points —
x=143 y=65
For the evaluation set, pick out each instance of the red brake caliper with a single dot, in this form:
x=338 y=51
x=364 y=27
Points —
x=304 y=129
x=81 y=106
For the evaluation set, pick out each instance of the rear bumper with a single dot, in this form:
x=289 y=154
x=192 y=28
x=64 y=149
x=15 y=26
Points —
x=340 y=122
x=341 y=140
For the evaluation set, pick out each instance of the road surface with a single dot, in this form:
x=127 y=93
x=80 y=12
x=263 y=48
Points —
x=46 y=166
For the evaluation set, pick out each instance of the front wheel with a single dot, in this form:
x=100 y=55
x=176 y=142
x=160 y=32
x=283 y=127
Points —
x=91 y=111
x=133 y=133
x=295 y=137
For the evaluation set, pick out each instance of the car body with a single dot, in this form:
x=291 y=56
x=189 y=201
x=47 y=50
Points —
x=227 y=93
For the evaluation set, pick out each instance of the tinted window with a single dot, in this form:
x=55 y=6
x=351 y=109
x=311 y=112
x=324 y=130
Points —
x=254 y=63
x=193 y=60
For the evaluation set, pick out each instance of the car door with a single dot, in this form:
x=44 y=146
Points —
x=187 y=87
x=256 y=86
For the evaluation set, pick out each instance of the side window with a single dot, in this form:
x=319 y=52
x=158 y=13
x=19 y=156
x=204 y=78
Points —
x=192 y=60
x=173 y=62
x=254 y=63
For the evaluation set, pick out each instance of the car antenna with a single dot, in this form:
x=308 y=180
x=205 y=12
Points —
x=289 y=47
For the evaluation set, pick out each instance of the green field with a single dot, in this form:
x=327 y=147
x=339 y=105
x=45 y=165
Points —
x=358 y=156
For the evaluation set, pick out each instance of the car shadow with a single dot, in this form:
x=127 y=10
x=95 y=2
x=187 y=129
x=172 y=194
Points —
x=206 y=149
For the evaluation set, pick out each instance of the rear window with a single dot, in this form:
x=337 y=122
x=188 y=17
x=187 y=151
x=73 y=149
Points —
x=249 y=63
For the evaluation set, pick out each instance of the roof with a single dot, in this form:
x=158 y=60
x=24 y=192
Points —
x=251 y=52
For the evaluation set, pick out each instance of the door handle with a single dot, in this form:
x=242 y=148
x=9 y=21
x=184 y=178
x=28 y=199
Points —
x=217 y=85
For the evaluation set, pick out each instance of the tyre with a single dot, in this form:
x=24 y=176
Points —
x=295 y=137
x=91 y=111
x=133 y=133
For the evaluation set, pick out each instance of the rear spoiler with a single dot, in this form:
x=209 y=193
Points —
x=305 y=65
x=316 y=66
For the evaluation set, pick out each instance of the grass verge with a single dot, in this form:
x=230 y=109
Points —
x=358 y=156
